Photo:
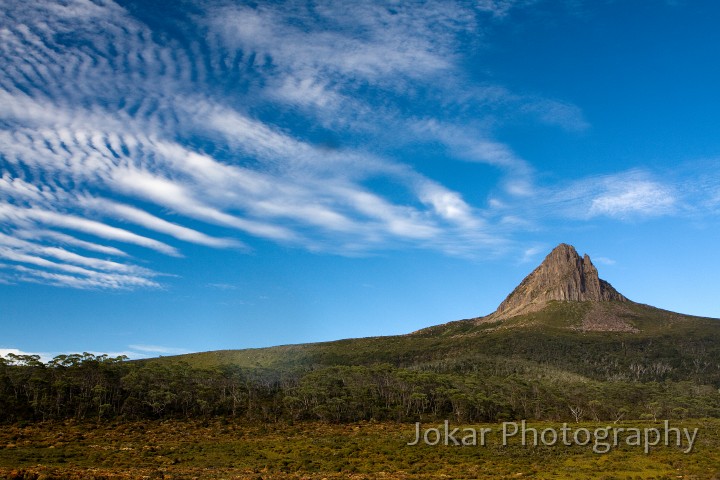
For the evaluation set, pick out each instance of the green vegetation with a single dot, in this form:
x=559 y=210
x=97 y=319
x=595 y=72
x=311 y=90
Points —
x=238 y=450
x=339 y=409
x=465 y=371
x=87 y=387
x=666 y=346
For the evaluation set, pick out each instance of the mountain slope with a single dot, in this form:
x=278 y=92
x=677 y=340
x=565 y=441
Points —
x=561 y=318
x=665 y=346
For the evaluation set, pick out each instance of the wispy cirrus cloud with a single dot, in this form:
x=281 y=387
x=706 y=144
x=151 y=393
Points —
x=34 y=215
x=634 y=197
x=631 y=194
x=123 y=139
x=154 y=350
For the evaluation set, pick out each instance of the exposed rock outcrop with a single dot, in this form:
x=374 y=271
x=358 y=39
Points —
x=563 y=275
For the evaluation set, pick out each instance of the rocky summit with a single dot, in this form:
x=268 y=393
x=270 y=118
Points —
x=563 y=276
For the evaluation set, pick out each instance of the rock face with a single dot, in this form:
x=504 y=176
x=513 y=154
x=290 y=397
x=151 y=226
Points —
x=563 y=275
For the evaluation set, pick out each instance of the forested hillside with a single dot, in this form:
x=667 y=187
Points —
x=535 y=367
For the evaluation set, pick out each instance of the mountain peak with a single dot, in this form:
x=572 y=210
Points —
x=563 y=276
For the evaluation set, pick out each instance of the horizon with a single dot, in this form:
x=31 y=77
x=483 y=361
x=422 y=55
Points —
x=225 y=175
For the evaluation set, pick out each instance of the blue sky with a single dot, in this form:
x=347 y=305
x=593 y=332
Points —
x=218 y=175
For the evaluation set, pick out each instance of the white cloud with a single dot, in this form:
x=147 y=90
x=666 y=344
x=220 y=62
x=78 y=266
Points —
x=83 y=280
x=44 y=357
x=448 y=204
x=155 y=350
x=378 y=44
x=147 y=141
x=530 y=254
x=133 y=352
x=472 y=145
x=554 y=112
x=14 y=249
x=633 y=197
x=632 y=194
x=604 y=260
x=307 y=91
x=500 y=8
x=64 y=239
x=179 y=197
x=78 y=271
x=143 y=218
x=73 y=222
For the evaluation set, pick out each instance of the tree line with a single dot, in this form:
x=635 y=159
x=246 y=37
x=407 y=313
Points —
x=98 y=387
